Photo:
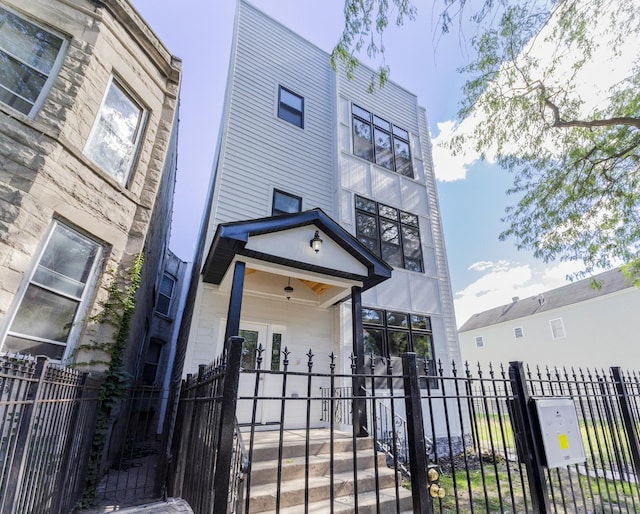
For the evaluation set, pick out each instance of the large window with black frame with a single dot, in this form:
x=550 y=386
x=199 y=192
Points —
x=390 y=233
x=377 y=140
x=388 y=334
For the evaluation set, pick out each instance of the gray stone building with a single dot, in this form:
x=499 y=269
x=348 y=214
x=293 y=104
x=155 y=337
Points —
x=88 y=137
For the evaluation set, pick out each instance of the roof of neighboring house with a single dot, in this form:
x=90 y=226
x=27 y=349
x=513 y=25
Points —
x=579 y=291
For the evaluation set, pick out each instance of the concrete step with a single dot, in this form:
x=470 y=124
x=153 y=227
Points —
x=292 y=493
x=264 y=472
x=266 y=444
x=367 y=504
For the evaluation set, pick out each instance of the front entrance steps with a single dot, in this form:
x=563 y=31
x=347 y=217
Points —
x=264 y=474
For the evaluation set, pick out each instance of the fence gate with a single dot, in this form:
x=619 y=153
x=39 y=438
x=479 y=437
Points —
x=135 y=463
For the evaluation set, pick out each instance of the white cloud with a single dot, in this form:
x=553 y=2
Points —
x=449 y=167
x=502 y=281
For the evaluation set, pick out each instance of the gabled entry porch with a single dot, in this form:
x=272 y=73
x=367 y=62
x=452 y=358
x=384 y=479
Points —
x=282 y=279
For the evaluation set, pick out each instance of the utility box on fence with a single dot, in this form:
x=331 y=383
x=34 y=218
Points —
x=559 y=431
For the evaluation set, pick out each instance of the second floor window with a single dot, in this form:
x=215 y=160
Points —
x=29 y=58
x=377 y=140
x=117 y=131
x=291 y=107
x=285 y=203
x=167 y=285
x=390 y=233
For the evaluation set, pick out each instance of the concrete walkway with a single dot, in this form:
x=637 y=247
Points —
x=171 y=506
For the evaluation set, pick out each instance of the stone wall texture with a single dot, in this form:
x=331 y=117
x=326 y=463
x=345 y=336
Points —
x=44 y=174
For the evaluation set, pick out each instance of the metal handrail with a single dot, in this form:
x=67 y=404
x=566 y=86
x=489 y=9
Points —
x=239 y=471
x=384 y=429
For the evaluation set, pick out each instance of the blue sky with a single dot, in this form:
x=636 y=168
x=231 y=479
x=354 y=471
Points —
x=484 y=271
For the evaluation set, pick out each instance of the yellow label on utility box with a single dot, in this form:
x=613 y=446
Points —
x=564 y=441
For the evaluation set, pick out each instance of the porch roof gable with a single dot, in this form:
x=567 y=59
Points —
x=231 y=239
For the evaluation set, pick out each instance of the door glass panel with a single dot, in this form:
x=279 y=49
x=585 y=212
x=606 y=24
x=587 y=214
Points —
x=249 y=349
x=276 y=344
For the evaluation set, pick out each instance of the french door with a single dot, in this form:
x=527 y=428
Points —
x=264 y=384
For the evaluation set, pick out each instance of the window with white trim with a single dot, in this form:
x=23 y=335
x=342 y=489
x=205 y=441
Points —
x=290 y=107
x=518 y=333
x=116 y=134
x=167 y=286
x=378 y=140
x=479 y=341
x=55 y=297
x=557 y=328
x=30 y=57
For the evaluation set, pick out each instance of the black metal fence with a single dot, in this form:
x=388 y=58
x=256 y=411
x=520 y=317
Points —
x=135 y=460
x=47 y=420
x=208 y=462
x=457 y=441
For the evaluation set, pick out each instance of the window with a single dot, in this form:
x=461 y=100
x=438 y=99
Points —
x=377 y=140
x=152 y=362
x=390 y=233
x=116 y=133
x=51 y=304
x=518 y=333
x=29 y=59
x=479 y=341
x=284 y=203
x=167 y=285
x=557 y=328
x=387 y=334
x=290 y=107
x=276 y=346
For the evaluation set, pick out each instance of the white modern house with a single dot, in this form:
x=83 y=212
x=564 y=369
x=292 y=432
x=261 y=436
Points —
x=575 y=325
x=322 y=229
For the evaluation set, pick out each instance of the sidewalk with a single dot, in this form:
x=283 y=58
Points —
x=171 y=506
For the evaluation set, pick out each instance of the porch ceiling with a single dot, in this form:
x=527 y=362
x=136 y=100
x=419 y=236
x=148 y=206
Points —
x=232 y=241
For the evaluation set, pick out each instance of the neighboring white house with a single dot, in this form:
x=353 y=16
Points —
x=576 y=325
x=297 y=161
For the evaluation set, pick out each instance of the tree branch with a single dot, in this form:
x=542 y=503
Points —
x=607 y=122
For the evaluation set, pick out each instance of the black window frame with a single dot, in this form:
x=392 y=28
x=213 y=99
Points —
x=389 y=323
x=387 y=156
x=278 y=212
x=387 y=243
x=290 y=113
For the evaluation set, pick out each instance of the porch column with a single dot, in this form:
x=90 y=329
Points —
x=235 y=303
x=358 y=381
